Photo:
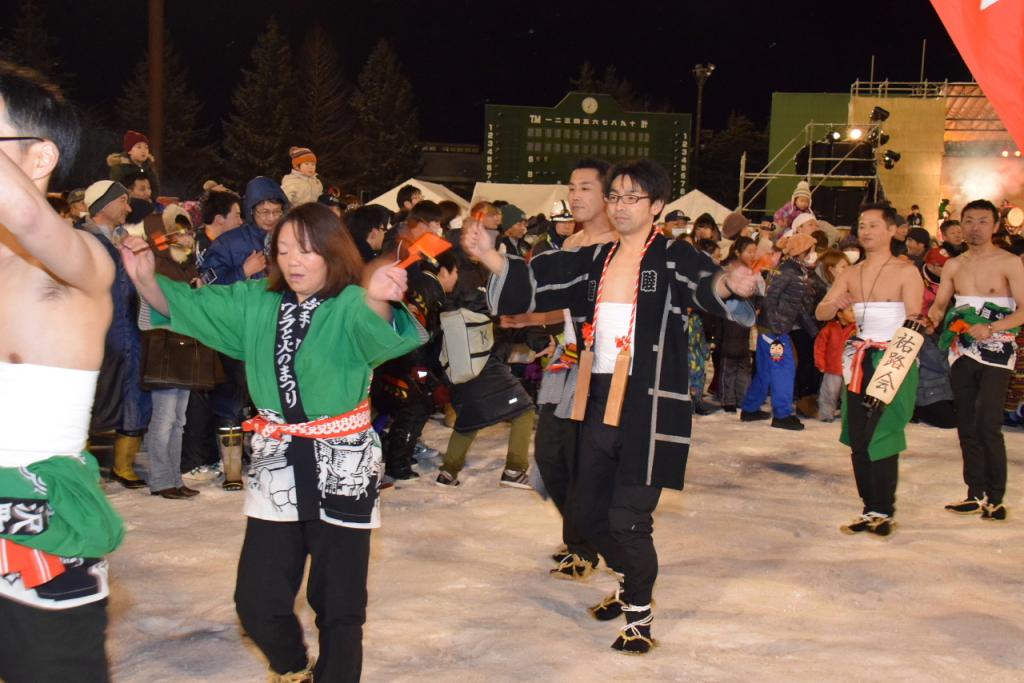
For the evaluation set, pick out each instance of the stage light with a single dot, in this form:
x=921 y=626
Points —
x=1006 y=153
x=878 y=115
x=1017 y=153
x=890 y=158
x=833 y=135
x=877 y=138
x=856 y=133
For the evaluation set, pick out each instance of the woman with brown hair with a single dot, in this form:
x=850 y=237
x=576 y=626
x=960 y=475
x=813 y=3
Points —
x=310 y=337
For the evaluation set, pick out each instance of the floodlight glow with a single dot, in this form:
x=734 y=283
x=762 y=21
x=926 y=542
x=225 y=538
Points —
x=856 y=133
x=1006 y=153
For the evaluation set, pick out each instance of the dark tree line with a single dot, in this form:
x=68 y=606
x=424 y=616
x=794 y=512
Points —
x=364 y=131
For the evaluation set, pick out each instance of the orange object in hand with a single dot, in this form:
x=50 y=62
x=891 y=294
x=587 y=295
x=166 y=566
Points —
x=426 y=247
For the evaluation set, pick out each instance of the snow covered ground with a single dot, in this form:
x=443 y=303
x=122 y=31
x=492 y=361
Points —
x=756 y=583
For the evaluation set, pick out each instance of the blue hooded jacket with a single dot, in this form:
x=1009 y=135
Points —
x=222 y=263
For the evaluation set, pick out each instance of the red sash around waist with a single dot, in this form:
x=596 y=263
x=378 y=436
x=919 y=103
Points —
x=352 y=422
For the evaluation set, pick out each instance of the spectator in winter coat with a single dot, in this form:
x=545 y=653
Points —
x=828 y=357
x=735 y=362
x=798 y=204
x=368 y=225
x=120 y=405
x=513 y=230
x=917 y=242
x=302 y=186
x=788 y=303
x=241 y=253
x=136 y=157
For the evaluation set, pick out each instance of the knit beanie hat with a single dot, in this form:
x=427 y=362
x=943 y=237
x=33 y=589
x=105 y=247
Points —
x=802 y=190
x=510 y=215
x=301 y=155
x=101 y=193
x=132 y=138
x=801 y=219
x=734 y=224
x=798 y=244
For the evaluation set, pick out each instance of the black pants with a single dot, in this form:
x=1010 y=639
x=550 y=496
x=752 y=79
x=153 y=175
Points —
x=616 y=517
x=876 y=479
x=40 y=646
x=808 y=377
x=269 y=575
x=554 y=449
x=978 y=393
x=940 y=414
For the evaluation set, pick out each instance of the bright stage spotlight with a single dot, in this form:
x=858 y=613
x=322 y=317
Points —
x=890 y=158
x=856 y=134
x=1017 y=153
x=1006 y=153
x=833 y=135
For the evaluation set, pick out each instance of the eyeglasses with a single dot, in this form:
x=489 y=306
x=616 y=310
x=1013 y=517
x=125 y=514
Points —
x=269 y=213
x=612 y=198
x=21 y=138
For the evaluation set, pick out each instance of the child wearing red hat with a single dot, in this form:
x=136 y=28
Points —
x=134 y=158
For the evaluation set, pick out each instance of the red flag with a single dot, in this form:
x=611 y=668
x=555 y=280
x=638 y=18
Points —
x=990 y=37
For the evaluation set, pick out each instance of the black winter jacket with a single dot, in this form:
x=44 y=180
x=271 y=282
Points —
x=789 y=301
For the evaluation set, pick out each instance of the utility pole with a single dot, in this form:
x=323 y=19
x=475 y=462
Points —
x=156 y=82
x=701 y=72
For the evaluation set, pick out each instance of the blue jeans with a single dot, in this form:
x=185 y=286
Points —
x=775 y=374
x=163 y=440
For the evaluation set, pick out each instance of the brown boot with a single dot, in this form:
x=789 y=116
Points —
x=123 y=469
x=808 y=406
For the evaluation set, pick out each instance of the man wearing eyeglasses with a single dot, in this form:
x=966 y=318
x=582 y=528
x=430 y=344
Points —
x=631 y=297
x=240 y=254
x=55 y=303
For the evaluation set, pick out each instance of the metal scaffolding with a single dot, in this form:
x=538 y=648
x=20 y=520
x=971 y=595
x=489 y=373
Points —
x=753 y=185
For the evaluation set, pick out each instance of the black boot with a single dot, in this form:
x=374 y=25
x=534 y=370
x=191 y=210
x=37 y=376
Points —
x=398 y=448
x=635 y=638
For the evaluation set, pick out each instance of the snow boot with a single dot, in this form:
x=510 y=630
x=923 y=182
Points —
x=635 y=637
x=398 y=446
x=229 y=441
x=609 y=608
x=123 y=469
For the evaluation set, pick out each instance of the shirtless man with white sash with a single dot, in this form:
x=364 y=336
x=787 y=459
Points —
x=55 y=522
x=988 y=285
x=883 y=291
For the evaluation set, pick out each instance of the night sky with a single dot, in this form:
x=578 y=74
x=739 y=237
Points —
x=460 y=54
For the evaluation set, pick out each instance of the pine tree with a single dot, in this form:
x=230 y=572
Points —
x=323 y=113
x=619 y=88
x=386 y=148
x=258 y=133
x=188 y=158
x=30 y=43
x=717 y=171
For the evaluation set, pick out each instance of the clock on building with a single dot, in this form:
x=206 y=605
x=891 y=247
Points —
x=589 y=105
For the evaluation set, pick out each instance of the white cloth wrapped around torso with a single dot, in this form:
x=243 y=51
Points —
x=879 y=320
x=45 y=412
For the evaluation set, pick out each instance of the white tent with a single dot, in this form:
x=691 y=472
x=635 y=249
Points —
x=432 y=191
x=532 y=199
x=694 y=203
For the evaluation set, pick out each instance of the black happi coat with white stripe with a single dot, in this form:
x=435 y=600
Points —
x=674 y=277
